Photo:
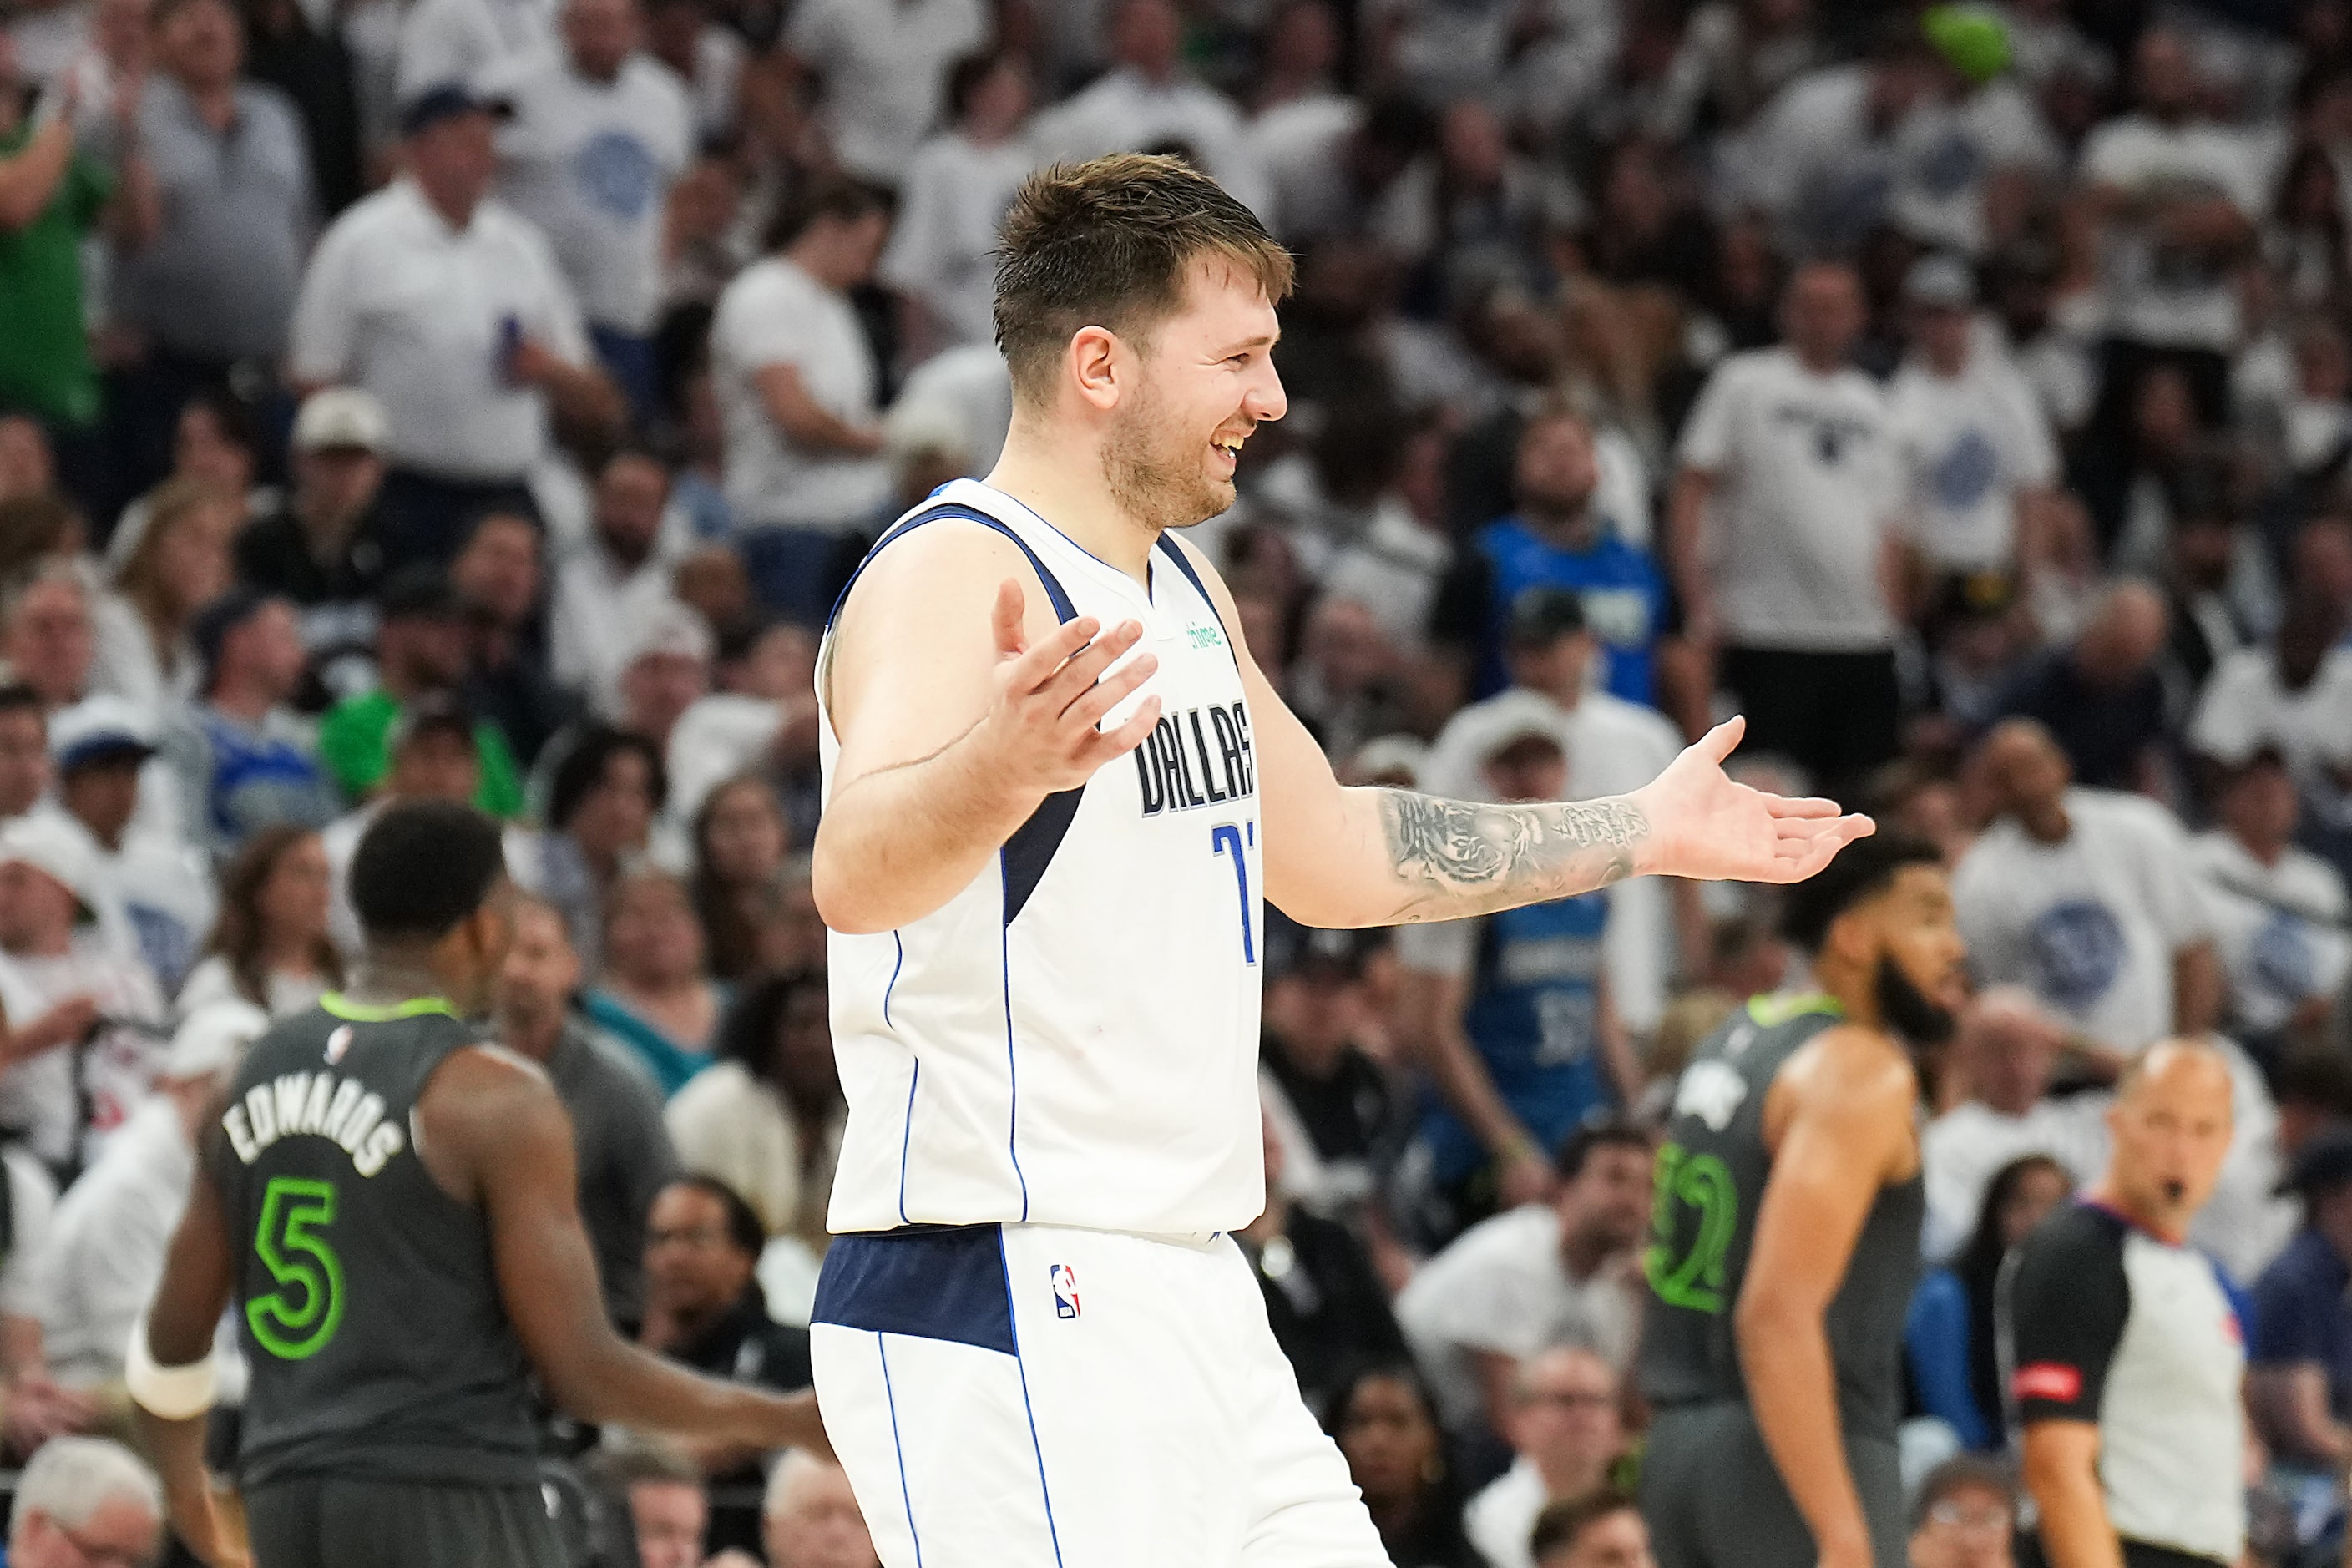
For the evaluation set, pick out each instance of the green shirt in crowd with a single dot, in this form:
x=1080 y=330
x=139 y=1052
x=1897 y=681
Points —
x=45 y=366
x=355 y=742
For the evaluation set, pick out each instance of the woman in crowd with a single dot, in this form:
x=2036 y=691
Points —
x=1386 y=1423
x=270 y=945
x=767 y=1119
x=739 y=851
x=601 y=802
x=179 y=564
x=1948 y=1336
x=655 y=998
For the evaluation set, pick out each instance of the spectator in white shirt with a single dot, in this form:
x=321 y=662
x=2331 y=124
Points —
x=2004 y=1052
x=598 y=134
x=1148 y=101
x=114 y=1225
x=2083 y=897
x=795 y=381
x=882 y=67
x=1977 y=451
x=2174 y=197
x=2294 y=695
x=608 y=588
x=161 y=888
x=462 y=41
x=1779 y=519
x=2279 y=912
x=1543 y=1274
x=454 y=312
x=1567 y=1432
x=77 y=1053
x=942 y=261
x=705 y=55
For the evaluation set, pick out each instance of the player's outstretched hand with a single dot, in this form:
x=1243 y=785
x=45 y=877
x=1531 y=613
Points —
x=1704 y=826
x=1040 y=725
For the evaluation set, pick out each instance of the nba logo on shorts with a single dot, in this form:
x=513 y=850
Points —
x=1066 y=1290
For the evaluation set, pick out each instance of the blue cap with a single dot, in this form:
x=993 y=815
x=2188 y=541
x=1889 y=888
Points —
x=445 y=100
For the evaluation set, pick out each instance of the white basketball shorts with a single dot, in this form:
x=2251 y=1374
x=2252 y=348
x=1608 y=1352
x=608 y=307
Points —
x=1031 y=1396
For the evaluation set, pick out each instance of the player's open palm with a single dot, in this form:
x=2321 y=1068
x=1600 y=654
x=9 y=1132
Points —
x=1049 y=695
x=1705 y=825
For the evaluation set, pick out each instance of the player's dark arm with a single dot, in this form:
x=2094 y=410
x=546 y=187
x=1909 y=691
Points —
x=2062 y=1471
x=960 y=703
x=490 y=1123
x=1341 y=857
x=199 y=1272
x=1841 y=1117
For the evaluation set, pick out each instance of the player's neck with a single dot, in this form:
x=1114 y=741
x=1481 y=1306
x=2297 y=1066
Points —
x=1062 y=482
x=390 y=975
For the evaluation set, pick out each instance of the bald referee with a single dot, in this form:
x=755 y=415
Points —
x=2122 y=1345
x=387 y=1200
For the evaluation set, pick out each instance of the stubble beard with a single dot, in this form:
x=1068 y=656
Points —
x=1158 y=485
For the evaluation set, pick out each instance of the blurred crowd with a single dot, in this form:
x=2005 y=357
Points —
x=485 y=400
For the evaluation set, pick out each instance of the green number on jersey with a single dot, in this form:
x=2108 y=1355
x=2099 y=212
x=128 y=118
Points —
x=302 y=1316
x=1704 y=1182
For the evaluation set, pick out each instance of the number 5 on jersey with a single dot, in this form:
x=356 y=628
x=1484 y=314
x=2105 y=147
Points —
x=296 y=1320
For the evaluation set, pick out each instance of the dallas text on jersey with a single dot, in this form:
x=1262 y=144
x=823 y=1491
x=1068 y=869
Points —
x=1165 y=762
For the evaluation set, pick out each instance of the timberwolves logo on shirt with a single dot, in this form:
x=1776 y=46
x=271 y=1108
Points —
x=1949 y=167
x=1965 y=474
x=2078 y=950
x=617 y=175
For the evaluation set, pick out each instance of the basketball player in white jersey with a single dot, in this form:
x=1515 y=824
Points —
x=1057 y=790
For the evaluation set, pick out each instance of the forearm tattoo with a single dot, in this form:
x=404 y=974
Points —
x=1459 y=857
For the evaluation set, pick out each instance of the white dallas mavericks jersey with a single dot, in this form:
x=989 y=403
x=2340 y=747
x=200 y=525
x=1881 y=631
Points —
x=1072 y=1038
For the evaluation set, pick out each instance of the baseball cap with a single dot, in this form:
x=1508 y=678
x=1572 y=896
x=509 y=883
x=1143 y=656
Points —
x=420 y=590
x=670 y=626
x=212 y=1039
x=98 y=728
x=1540 y=614
x=1335 y=955
x=446 y=101
x=1504 y=721
x=427 y=711
x=339 y=417
x=56 y=849
x=2323 y=1163
x=1940 y=282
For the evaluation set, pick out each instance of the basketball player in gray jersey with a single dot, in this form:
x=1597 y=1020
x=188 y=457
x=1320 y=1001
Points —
x=1786 y=1236
x=387 y=1201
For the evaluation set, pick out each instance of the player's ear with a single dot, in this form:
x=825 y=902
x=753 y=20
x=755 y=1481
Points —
x=1093 y=359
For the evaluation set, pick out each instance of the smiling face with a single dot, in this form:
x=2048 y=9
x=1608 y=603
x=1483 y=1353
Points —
x=1185 y=392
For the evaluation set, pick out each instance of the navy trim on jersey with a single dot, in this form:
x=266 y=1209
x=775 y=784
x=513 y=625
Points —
x=927 y=1283
x=1031 y=848
x=1012 y=1061
x=1184 y=564
x=906 y=1135
x=1062 y=608
x=1004 y=1267
x=897 y=1448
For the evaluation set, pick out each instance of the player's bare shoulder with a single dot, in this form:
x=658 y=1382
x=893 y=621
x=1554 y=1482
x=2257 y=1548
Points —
x=922 y=604
x=1860 y=1081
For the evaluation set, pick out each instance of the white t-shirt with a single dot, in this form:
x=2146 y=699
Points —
x=967 y=389
x=1124 y=112
x=105 y=1256
x=2280 y=928
x=1501 y=1520
x=400 y=304
x=1300 y=144
x=774 y=313
x=1969 y=444
x=211 y=981
x=40 y=1097
x=1807 y=480
x=2158 y=294
x=885 y=65
x=1961 y=1150
x=1502 y=1287
x=944 y=243
x=723 y=735
x=461 y=40
x=595 y=614
x=2089 y=925
x=591 y=162
x=2245 y=708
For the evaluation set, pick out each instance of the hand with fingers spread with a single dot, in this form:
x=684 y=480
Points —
x=1040 y=731
x=1702 y=824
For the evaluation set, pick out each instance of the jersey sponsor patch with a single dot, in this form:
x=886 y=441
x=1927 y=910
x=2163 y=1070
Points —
x=2053 y=1381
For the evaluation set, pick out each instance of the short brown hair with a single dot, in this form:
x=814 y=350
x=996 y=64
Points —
x=1561 y=1523
x=1107 y=243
